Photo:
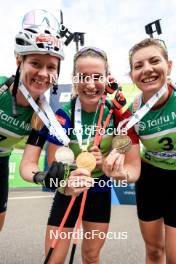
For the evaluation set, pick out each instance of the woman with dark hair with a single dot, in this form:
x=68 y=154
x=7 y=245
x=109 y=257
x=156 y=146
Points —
x=21 y=93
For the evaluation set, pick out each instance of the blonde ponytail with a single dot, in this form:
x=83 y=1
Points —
x=36 y=122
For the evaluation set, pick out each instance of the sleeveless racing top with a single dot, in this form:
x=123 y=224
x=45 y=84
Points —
x=12 y=130
x=157 y=133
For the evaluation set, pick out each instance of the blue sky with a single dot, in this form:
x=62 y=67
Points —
x=113 y=25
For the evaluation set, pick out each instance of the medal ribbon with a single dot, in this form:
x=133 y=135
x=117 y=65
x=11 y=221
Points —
x=47 y=117
x=143 y=110
x=78 y=123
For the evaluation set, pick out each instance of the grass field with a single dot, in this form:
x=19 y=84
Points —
x=129 y=91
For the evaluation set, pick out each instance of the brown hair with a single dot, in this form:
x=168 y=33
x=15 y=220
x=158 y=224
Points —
x=91 y=52
x=147 y=43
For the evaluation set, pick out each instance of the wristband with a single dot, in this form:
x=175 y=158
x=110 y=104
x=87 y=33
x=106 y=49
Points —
x=39 y=177
x=111 y=87
x=52 y=178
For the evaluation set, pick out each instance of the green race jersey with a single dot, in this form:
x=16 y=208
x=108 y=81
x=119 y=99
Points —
x=157 y=133
x=12 y=130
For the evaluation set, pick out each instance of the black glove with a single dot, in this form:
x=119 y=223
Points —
x=52 y=178
x=111 y=86
x=119 y=100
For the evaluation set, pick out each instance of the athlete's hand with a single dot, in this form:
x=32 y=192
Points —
x=51 y=178
x=78 y=181
x=113 y=166
x=119 y=100
x=111 y=85
x=98 y=155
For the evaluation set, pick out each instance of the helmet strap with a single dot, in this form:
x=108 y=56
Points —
x=58 y=68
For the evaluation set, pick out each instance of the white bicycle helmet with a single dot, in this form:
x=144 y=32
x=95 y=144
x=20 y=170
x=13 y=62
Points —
x=39 y=35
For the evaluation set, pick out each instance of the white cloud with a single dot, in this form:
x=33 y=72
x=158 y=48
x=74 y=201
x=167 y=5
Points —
x=11 y=14
x=109 y=24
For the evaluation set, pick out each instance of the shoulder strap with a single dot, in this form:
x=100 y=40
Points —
x=72 y=117
x=4 y=86
x=108 y=104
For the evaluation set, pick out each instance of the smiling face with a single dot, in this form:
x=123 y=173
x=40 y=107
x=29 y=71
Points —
x=92 y=80
x=37 y=71
x=149 y=69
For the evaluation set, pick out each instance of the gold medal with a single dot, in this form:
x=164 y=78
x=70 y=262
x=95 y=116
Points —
x=86 y=160
x=64 y=155
x=121 y=143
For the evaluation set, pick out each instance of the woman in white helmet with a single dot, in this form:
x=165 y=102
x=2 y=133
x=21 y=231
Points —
x=38 y=50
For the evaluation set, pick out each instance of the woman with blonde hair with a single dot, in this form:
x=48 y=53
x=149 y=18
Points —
x=155 y=189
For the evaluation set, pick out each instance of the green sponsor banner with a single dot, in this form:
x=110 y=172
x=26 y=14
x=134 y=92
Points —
x=15 y=180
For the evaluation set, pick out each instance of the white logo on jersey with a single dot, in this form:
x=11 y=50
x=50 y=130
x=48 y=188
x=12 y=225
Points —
x=142 y=126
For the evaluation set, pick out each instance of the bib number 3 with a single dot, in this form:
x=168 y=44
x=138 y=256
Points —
x=167 y=143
